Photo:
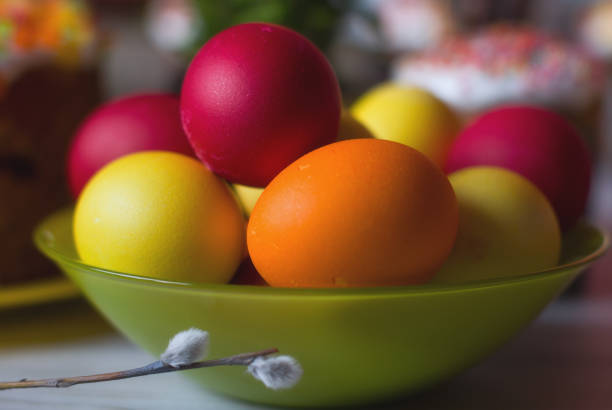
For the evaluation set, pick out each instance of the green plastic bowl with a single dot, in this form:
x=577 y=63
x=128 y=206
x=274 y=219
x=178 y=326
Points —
x=356 y=346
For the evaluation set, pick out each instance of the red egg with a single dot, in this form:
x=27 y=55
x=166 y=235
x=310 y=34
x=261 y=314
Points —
x=255 y=98
x=247 y=275
x=130 y=124
x=536 y=143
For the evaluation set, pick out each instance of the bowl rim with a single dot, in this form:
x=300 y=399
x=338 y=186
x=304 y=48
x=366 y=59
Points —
x=40 y=237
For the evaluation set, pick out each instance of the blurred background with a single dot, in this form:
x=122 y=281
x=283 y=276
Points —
x=61 y=58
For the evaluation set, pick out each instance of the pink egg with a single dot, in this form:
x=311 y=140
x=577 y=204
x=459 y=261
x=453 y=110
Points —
x=536 y=143
x=255 y=98
x=130 y=124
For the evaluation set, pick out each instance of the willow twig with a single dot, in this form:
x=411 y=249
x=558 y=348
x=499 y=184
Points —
x=243 y=359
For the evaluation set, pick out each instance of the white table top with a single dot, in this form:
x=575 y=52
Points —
x=562 y=361
x=82 y=343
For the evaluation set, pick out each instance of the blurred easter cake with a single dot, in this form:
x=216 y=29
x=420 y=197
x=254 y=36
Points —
x=505 y=64
x=595 y=29
x=412 y=25
x=48 y=82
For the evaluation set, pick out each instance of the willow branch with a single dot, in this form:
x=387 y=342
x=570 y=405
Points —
x=243 y=359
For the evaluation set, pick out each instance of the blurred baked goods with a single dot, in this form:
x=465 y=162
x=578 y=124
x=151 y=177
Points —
x=504 y=64
x=414 y=24
x=48 y=51
x=172 y=25
x=595 y=29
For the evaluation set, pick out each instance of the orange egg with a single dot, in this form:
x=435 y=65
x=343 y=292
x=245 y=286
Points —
x=362 y=212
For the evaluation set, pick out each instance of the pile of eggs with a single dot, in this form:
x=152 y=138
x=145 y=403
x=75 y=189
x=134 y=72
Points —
x=257 y=165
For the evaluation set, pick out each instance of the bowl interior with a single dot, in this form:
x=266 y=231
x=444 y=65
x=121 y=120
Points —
x=355 y=345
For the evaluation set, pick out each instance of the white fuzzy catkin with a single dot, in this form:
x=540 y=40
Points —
x=186 y=347
x=279 y=372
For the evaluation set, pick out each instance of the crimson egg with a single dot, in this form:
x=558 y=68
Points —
x=536 y=143
x=255 y=98
x=130 y=124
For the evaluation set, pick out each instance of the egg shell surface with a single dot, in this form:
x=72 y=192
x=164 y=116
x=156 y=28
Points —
x=255 y=98
x=162 y=215
x=408 y=115
x=506 y=227
x=130 y=124
x=361 y=212
x=536 y=143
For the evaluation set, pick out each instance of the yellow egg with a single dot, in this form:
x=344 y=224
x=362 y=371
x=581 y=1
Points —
x=506 y=227
x=410 y=116
x=162 y=215
x=248 y=196
x=350 y=128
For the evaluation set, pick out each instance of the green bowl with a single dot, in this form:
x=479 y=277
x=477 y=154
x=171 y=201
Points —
x=356 y=345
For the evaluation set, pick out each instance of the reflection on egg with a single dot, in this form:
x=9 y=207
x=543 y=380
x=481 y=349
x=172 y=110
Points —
x=361 y=212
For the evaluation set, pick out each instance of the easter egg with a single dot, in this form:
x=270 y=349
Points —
x=506 y=227
x=248 y=275
x=255 y=98
x=350 y=128
x=410 y=116
x=130 y=124
x=538 y=144
x=361 y=212
x=247 y=196
x=162 y=215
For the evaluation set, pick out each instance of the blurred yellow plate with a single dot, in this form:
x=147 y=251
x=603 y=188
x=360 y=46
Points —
x=36 y=292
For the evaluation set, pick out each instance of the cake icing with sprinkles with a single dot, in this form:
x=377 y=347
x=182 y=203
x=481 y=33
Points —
x=504 y=64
